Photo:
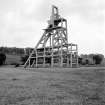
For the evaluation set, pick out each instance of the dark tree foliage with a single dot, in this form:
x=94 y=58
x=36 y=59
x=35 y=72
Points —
x=2 y=58
x=24 y=58
x=98 y=58
x=48 y=60
x=90 y=59
x=80 y=60
x=87 y=61
x=15 y=50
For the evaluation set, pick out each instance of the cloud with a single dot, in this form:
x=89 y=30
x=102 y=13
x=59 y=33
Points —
x=22 y=21
x=88 y=10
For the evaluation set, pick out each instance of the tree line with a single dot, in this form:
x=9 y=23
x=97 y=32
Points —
x=15 y=50
x=90 y=59
x=83 y=59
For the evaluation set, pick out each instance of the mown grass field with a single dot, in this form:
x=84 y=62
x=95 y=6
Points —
x=58 y=86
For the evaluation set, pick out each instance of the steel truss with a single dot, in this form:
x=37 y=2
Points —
x=53 y=49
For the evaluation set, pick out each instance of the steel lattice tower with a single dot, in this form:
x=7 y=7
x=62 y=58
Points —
x=53 y=48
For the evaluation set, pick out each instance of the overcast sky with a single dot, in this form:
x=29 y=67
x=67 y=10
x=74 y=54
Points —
x=22 y=21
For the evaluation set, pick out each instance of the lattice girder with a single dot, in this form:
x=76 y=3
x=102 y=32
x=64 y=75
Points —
x=53 y=47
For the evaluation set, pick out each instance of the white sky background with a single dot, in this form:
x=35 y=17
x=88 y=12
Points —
x=22 y=21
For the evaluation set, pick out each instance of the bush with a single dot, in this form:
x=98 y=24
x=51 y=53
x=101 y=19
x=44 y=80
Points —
x=2 y=58
x=98 y=58
x=80 y=60
x=85 y=61
x=90 y=59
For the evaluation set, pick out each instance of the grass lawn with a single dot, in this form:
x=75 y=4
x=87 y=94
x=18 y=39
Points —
x=82 y=86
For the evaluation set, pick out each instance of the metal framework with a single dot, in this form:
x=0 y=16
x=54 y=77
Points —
x=53 y=49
